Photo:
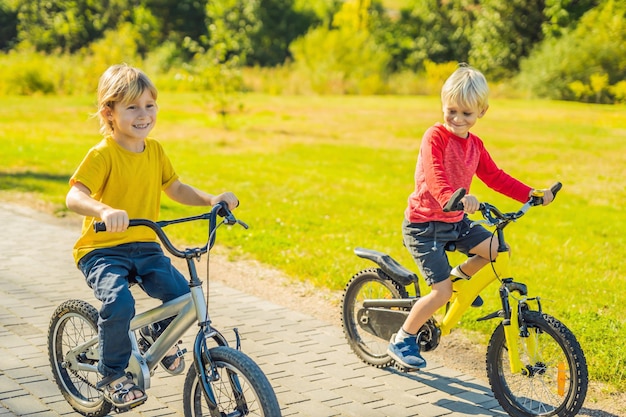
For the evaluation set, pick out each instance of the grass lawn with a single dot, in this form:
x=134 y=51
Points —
x=318 y=176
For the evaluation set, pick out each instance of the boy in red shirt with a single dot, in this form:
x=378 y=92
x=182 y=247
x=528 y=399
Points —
x=449 y=158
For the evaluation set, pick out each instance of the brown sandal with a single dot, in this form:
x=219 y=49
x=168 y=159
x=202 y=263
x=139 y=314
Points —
x=169 y=360
x=148 y=336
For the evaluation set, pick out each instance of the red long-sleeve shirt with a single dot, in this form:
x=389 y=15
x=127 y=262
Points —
x=446 y=163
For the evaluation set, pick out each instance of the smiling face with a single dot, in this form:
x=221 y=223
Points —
x=132 y=121
x=459 y=119
x=464 y=96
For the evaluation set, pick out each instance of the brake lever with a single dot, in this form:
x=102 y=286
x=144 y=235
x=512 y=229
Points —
x=480 y=222
x=230 y=219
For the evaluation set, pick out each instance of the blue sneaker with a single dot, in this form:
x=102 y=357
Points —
x=406 y=353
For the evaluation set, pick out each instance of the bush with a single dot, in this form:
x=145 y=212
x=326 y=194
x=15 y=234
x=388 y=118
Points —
x=26 y=73
x=619 y=91
x=340 y=61
x=584 y=64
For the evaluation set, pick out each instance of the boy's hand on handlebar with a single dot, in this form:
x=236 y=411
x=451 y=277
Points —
x=115 y=220
x=470 y=204
x=227 y=197
x=546 y=195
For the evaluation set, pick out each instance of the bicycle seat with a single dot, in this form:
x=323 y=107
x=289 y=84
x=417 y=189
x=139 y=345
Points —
x=390 y=266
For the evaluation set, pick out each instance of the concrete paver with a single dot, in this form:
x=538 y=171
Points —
x=308 y=362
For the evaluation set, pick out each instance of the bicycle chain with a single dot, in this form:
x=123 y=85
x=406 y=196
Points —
x=84 y=380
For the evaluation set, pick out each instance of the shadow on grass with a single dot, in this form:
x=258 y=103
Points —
x=30 y=181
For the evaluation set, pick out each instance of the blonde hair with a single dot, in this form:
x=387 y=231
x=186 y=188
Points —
x=467 y=87
x=120 y=84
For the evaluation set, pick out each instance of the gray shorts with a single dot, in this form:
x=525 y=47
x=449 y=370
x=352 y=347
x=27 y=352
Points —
x=427 y=241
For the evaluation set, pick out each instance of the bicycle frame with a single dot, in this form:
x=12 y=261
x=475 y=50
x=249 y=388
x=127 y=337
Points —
x=188 y=308
x=464 y=293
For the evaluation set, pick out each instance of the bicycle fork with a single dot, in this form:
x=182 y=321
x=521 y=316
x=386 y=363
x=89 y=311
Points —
x=206 y=369
x=515 y=329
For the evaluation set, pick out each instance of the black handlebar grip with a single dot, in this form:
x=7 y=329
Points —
x=537 y=201
x=556 y=188
x=223 y=210
x=454 y=204
x=99 y=227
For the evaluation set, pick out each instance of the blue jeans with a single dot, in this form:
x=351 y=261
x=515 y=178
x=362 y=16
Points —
x=109 y=273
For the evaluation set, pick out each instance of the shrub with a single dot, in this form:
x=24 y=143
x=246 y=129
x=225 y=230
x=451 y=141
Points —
x=584 y=63
x=340 y=61
x=26 y=73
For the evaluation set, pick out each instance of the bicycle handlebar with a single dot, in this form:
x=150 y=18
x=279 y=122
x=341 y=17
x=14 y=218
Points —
x=491 y=213
x=220 y=209
x=454 y=204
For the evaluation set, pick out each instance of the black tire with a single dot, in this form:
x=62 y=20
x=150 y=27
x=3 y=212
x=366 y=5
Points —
x=232 y=365
x=73 y=323
x=367 y=284
x=538 y=393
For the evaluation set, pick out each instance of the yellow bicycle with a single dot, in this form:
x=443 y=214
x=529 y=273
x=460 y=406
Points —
x=535 y=365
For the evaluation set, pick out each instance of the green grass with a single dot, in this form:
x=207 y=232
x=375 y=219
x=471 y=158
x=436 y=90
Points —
x=317 y=176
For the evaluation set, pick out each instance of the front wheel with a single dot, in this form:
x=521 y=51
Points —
x=240 y=389
x=554 y=381
x=74 y=324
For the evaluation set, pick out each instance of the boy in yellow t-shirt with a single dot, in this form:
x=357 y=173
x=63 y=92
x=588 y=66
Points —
x=122 y=178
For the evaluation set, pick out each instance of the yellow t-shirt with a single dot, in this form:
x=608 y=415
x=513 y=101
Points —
x=124 y=180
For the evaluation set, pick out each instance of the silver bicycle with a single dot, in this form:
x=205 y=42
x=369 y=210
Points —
x=223 y=381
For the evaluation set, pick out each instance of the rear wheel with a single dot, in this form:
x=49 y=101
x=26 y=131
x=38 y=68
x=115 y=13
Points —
x=74 y=323
x=367 y=284
x=240 y=389
x=554 y=381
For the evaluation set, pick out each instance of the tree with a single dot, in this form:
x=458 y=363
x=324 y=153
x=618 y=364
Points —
x=280 y=24
x=8 y=26
x=231 y=23
x=180 y=19
x=344 y=58
x=426 y=30
x=69 y=25
x=563 y=15
x=503 y=33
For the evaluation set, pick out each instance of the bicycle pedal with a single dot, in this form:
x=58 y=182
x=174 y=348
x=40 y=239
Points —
x=126 y=409
x=144 y=345
x=404 y=369
x=119 y=410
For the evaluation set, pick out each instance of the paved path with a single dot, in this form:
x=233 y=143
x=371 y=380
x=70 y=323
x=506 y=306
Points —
x=308 y=363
